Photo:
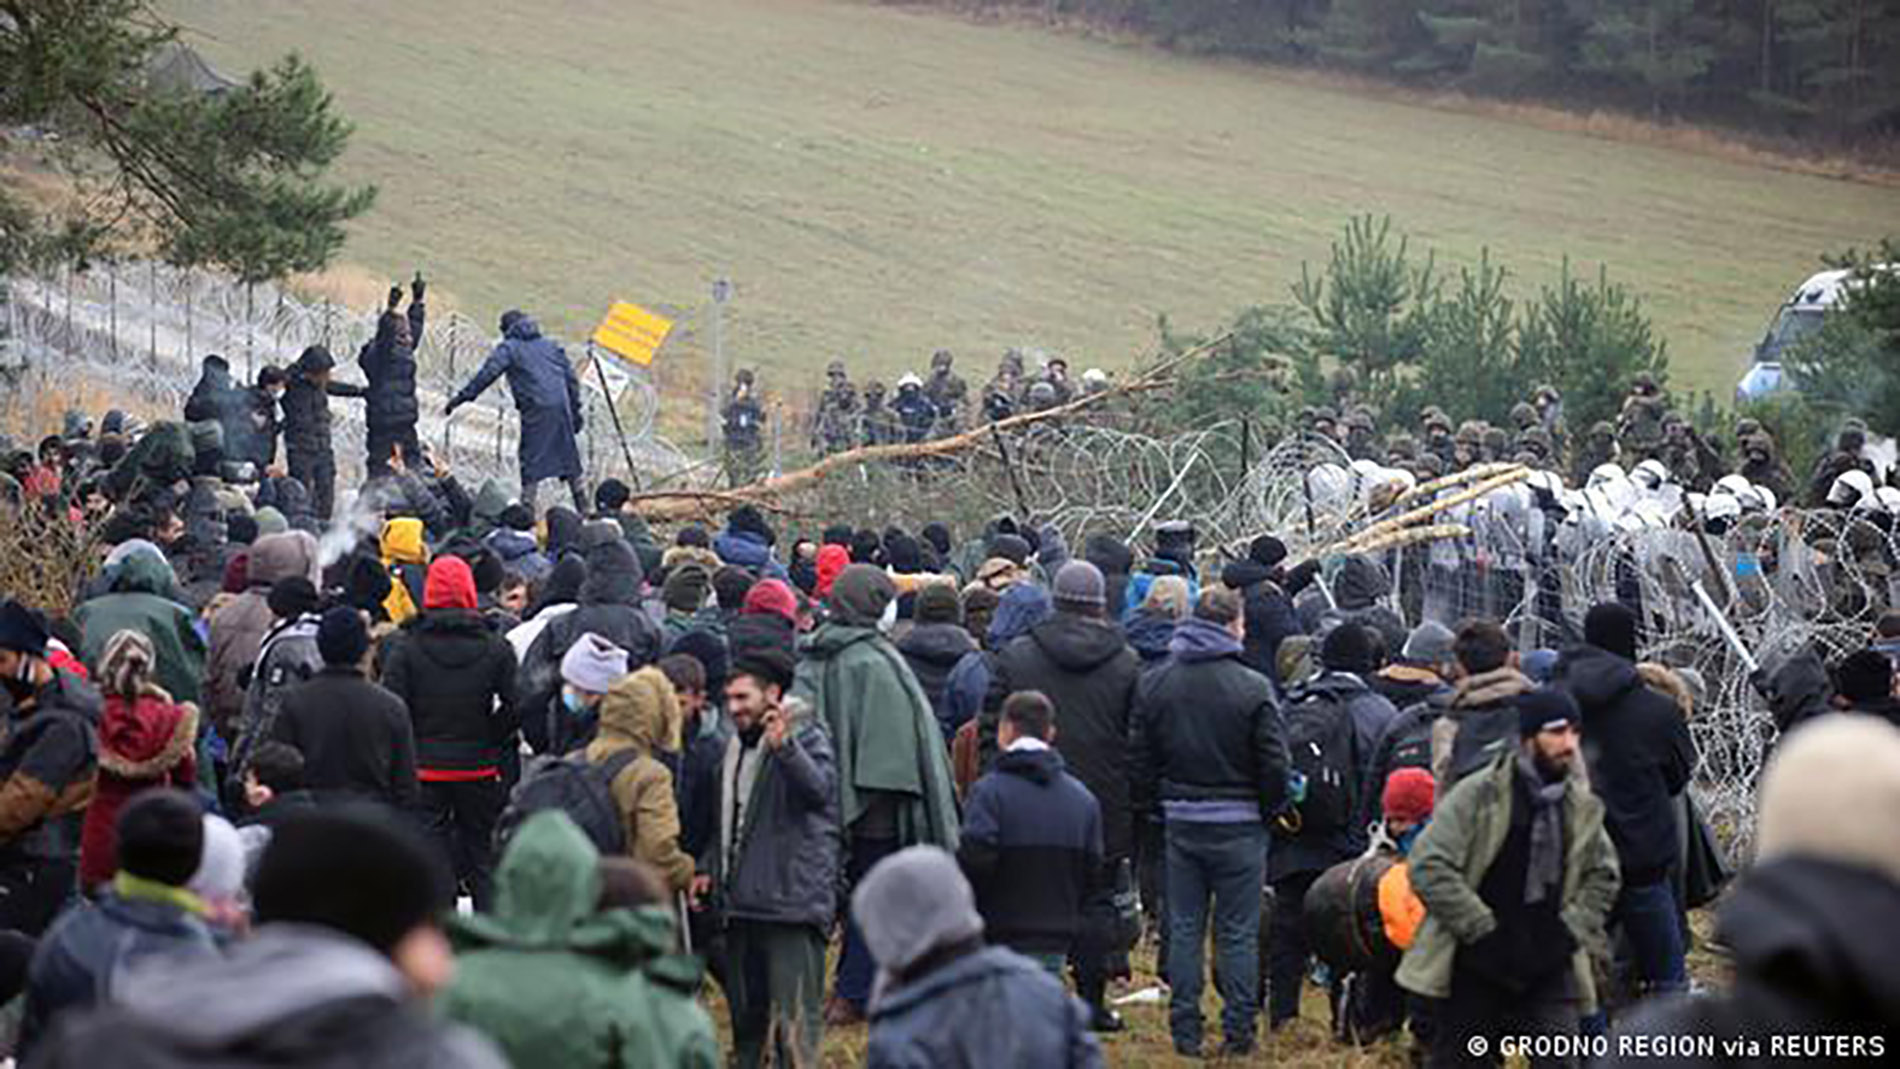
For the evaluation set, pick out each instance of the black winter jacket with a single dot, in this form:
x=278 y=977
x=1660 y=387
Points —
x=1814 y=957
x=390 y=369
x=1088 y=671
x=1637 y=748
x=354 y=736
x=1207 y=727
x=1271 y=618
x=457 y=678
x=307 y=416
x=609 y=607
x=1032 y=848
x=932 y=651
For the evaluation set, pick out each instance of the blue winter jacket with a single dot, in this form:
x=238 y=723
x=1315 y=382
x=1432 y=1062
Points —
x=990 y=1007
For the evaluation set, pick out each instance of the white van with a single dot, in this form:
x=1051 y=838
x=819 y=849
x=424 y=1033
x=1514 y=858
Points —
x=1800 y=317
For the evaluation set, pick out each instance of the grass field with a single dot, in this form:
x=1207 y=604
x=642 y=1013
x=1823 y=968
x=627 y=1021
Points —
x=880 y=183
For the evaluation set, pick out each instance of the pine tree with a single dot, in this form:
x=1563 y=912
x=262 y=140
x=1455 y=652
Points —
x=1591 y=342
x=1655 y=46
x=231 y=177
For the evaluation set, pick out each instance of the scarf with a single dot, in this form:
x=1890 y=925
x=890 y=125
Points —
x=1546 y=866
x=129 y=886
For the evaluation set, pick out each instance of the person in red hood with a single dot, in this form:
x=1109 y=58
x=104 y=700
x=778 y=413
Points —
x=458 y=679
x=768 y=620
x=832 y=559
x=145 y=741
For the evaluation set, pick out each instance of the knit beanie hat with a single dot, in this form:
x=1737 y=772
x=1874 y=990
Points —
x=1544 y=709
x=21 y=629
x=1429 y=643
x=341 y=637
x=593 y=664
x=1010 y=547
x=771 y=597
x=125 y=668
x=1267 y=551
x=291 y=597
x=937 y=604
x=712 y=655
x=1828 y=792
x=686 y=587
x=938 y=537
x=1079 y=587
x=161 y=836
x=1611 y=626
x=240 y=528
x=860 y=595
x=912 y=903
x=1408 y=795
x=351 y=869
x=270 y=521
x=1348 y=648
x=1864 y=676
x=730 y=585
x=450 y=585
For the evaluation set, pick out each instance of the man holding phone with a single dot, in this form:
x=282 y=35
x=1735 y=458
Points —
x=778 y=857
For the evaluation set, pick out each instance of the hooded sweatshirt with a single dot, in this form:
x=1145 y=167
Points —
x=142 y=595
x=406 y=557
x=238 y=629
x=641 y=713
x=1021 y=607
x=558 y=984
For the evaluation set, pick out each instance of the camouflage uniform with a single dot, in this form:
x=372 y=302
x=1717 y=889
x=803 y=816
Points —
x=1845 y=457
x=878 y=425
x=833 y=431
x=1599 y=448
x=947 y=392
x=1639 y=430
x=1361 y=441
x=1003 y=395
x=1761 y=465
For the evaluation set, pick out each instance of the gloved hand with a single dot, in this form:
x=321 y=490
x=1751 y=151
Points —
x=417 y=288
x=395 y=297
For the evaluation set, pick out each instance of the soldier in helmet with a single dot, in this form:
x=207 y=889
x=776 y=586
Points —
x=1848 y=455
x=1599 y=448
x=1325 y=423
x=878 y=425
x=837 y=412
x=1762 y=465
x=1002 y=395
x=1467 y=444
x=1682 y=458
x=1435 y=428
x=947 y=392
x=1523 y=417
x=1344 y=384
x=915 y=413
x=1639 y=430
x=1494 y=445
x=1536 y=442
x=744 y=420
x=1401 y=450
x=1056 y=374
x=1361 y=442
x=1550 y=415
x=1042 y=396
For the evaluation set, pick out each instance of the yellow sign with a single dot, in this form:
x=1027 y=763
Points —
x=632 y=332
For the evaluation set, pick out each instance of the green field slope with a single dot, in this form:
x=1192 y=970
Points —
x=880 y=183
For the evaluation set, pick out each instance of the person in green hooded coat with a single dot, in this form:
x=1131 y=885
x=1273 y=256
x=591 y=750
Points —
x=556 y=982
x=142 y=595
x=894 y=785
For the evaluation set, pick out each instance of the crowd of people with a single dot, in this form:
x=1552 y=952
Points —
x=490 y=784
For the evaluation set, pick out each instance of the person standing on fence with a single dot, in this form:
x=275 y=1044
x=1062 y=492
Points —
x=306 y=425
x=389 y=363
x=548 y=396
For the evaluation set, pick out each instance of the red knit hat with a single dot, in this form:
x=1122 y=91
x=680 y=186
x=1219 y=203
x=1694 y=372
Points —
x=1408 y=795
x=831 y=560
x=771 y=597
x=450 y=585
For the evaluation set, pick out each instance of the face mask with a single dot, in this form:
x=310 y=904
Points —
x=575 y=703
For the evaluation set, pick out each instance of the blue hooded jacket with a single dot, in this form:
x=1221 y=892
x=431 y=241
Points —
x=1022 y=607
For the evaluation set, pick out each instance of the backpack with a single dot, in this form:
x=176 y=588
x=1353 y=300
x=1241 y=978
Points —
x=572 y=785
x=1320 y=743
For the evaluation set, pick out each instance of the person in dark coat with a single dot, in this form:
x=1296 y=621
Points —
x=1173 y=555
x=609 y=607
x=1864 y=681
x=1080 y=660
x=1021 y=607
x=779 y=861
x=306 y=423
x=1112 y=558
x=1639 y=755
x=47 y=760
x=1211 y=761
x=548 y=397
x=1270 y=614
x=389 y=367
x=345 y=956
x=1032 y=839
x=355 y=736
x=1421 y=670
x=1360 y=592
x=457 y=678
x=1807 y=926
x=143 y=918
x=217 y=398
x=935 y=642
x=945 y=998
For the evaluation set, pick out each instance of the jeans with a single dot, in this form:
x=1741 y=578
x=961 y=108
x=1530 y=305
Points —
x=460 y=817
x=775 y=979
x=1225 y=863
x=1652 y=928
x=856 y=969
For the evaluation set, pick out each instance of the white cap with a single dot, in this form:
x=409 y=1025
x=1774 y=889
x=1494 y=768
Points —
x=909 y=379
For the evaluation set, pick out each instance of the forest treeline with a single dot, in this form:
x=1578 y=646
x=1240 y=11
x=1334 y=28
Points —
x=1818 y=70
